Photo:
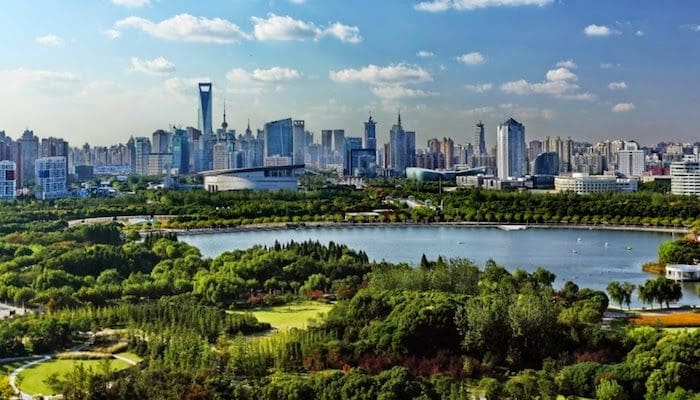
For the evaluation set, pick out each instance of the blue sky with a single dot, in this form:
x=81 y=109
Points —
x=103 y=70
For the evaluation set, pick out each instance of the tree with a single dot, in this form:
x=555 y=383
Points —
x=628 y=290
x=615 y=292
x=669 y=291
x=610 y=390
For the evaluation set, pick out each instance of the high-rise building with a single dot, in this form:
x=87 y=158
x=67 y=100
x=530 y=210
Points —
x=685 y=178
x=161 y=142
x=630 y=160
x=299 y=139
x=448 y=149
x=370 y=137
x=50 y=178
x=142 y=150
x=351 y=143
x=338 y=146
x=160 y=163
x=546 y=164
x=8 y=148
x=8 y=180
x=28 y=152
x=279 y=139
x=181 y=151
x=411 y=148
x=398 y=149
x=534 y=148
x=479 y=140
x=205 y=108
x=511 y=150
x=54 y=147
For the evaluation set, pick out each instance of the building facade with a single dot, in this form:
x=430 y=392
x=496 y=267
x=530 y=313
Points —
x=279 y=139
x=511 y=157
x=262 y=178
x=50 y=178
x=8 y=180
x=685 y=178
x=585 y=184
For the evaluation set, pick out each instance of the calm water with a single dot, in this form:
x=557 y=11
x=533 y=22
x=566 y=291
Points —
x=592 y=265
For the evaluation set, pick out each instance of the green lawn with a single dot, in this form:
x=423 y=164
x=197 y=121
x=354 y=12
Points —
x=6 y=368
x=689 y=329
x=295 y=315
x=32 y=378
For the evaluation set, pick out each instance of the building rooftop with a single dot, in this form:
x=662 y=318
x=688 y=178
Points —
x=255 y=169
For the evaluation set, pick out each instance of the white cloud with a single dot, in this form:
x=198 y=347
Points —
x=560 y=83
x=425 y=54
x=112 y=33
x=617 y=86
x=478 y=87
x=570 y=64
x=579 y=96
x=623 y=107
x=477 y=111
x=444 y=5
x=131 y=3
x=49 y=40
x=561 y=74
x=157 y=66
x=527 y=112
x=639 y=33
x=599 y=30
x=42 y=81
x=390 y=75
x=398 y=92
x=183 y=89
x=344 y=33
x=471 y=58
x=608 y=65
x=277 y=27
x=297 y=1
x=187 y=28
x=246 y=91
x=270 y=75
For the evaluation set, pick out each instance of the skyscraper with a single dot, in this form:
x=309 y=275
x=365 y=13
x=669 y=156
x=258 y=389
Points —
x=205 y=105
x=370 y=138
x=299 y=139
x=338 y=146
x=8 y=180
x=546 y=164
x=448 y=149
x=398 y=148
x=511 y=160
x=279 y=139
x=479 y=140
x=631 y=160
x=181 y=151
x=161 y=142
x=50 y=175
x=28 y=152
x=142 y=150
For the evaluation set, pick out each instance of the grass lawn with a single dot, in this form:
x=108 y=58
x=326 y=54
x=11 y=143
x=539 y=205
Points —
x=6 y=368
x=689 y=329
x=32 y=378
x=294 y=315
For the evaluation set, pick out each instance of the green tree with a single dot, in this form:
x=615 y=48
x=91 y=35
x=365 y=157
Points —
x=610 y=390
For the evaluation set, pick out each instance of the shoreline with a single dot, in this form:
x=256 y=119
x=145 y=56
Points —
x=346 y=225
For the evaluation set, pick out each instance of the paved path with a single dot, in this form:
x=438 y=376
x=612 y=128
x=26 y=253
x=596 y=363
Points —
x=41 y=359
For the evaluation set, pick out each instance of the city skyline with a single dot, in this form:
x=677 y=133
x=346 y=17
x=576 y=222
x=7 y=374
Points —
x=132 y=67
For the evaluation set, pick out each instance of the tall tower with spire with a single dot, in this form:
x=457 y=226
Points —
x=398 y=148
x=370 y=138
x=224 y=125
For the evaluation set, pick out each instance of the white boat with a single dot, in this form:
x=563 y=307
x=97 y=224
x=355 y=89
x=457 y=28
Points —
x=606 y=244
x=509 y=228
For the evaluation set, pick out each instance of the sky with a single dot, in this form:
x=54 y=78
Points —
x=100 y=71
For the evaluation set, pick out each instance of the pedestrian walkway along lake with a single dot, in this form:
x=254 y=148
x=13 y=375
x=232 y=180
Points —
x=590 y=258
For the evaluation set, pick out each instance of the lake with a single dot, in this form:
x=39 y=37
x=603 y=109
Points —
x=579 y=255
